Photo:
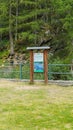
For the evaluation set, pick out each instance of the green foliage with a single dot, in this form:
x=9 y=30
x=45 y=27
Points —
x=30 y=20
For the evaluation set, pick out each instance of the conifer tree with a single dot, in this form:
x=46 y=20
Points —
x=38 y=23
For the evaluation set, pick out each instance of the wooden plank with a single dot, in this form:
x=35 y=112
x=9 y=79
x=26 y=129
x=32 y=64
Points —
x=31 y=66
x=38 y=48
x=46 y=66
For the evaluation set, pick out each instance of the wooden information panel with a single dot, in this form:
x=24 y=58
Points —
x=38 y=62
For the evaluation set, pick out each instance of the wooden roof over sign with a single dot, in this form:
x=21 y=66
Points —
x=38 y=48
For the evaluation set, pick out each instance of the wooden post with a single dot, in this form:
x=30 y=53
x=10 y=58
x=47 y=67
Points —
x=31 y=66
x=46 y=66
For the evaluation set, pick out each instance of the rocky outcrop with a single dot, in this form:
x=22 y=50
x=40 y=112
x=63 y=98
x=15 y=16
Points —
x=17 y=58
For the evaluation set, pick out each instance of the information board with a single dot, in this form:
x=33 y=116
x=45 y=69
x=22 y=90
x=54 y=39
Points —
x=38 y=67
x=38 y=62
x=38 y=57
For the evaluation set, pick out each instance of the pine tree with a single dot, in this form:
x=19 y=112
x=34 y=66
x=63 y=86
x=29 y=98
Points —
x=38 y=23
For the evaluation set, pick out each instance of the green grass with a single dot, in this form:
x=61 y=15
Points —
x=35 y=107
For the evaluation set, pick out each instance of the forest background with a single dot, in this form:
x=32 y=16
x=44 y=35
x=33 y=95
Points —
x=26 y=23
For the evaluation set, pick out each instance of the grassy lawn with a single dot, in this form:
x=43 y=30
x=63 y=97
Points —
x=35 y=107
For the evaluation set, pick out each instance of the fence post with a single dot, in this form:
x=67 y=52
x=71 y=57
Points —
x=49 y=71
x=20 y=71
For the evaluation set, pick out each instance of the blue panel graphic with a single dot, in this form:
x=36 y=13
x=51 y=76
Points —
x=38 y=67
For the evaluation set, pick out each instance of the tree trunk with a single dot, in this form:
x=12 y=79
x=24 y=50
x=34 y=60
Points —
x=16 y=30
x=10 y=32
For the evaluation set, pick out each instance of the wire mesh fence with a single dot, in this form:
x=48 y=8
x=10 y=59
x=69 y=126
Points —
x=22 y=71
x=16 y=71
x=60 y=71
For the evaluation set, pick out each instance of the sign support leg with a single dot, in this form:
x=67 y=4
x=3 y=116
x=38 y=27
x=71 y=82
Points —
x=46 y=66
x=31 y=66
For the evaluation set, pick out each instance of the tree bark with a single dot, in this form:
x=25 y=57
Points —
x=10 y=31
x=16 y=30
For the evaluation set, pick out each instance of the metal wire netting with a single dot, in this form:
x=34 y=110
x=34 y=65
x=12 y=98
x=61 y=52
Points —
x=60 y=71
x=18 y=71
x=22 y=71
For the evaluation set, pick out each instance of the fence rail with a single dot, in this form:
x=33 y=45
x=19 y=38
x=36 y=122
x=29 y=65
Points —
x=60 y=71
x=22 y=71
x=16 y=71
